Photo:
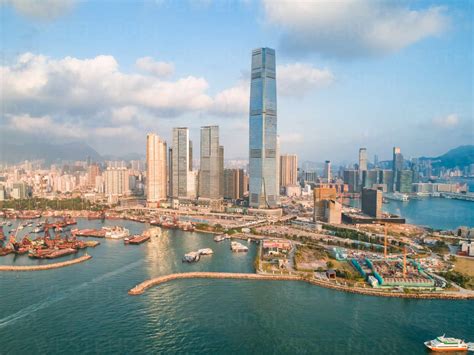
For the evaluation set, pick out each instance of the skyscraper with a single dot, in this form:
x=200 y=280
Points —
x=234 y=183
x=397 y=166
x=263 y=145
x=212 y=164
x=288 y=169
x=362 y=159
x=156 y=174
x=327 y=170
x=181 y=184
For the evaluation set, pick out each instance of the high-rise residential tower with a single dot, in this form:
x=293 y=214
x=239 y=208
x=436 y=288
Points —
x=156 y=170
x=181 y=182
x=263 y=145
x=288 y=170
x=212 y=164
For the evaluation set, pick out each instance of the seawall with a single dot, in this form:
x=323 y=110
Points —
x=45 y=267
x=142 y=287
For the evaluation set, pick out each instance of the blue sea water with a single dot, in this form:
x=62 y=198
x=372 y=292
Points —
x=85 y=308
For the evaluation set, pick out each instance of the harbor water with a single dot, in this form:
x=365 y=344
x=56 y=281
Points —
x=85 y=308
x=433 y=212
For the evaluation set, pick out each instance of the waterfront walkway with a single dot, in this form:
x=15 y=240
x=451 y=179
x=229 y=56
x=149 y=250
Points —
x=46 y=266
x=142 y=287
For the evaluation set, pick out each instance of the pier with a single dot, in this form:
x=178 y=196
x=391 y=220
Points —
x=142 y=287
x=45 y=267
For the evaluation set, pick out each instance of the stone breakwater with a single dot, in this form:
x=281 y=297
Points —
x=142 y=287
x=45 y=267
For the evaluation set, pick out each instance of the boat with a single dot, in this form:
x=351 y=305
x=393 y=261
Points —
x=205 y=251
x=191 y=257
x=116 y=232
x=221 y=237
x=444 y=344
x=137 y=239
x=397 y=196
x=238 y=247
x=38 y=230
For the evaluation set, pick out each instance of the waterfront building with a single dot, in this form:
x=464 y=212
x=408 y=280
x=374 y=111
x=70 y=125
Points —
x=156 y=170
x=404 y=181
x=211 y=175
x=288 y=170
x=397 y=166
x=372 y=200
x=182 y=182
x=116 y=181
x=351 y=178
x=263 y=145
x=386 y=178
x=327 y=171
x=369 y=178
x=234 y=183
x=321 y=194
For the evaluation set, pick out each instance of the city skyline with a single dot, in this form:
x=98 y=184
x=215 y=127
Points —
x=400 y=79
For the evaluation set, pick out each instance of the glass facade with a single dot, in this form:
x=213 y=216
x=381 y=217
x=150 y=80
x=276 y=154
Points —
x=263 y=144
x=212 y=163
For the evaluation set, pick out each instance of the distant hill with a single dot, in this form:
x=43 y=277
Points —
x=461 y=156
x=14 y=153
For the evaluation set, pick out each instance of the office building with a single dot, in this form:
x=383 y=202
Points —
x=362 y=159
x=404 y=181
x=327 y=171
x=182 y=182
x=156 y=170
x=370 y=178
x=211 y=175
x=372 y=200
x=397 y=166
x=288 y=170
x=263 y=145
x=351 y=178
x=234 y=183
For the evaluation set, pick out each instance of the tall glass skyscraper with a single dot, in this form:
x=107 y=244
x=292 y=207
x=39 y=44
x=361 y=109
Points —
x=263 y=143
x=211 y=175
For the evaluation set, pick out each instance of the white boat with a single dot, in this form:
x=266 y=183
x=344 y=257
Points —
x=116 y=232
x=38 y=230
x=219 y=238
x=205 y=251
x=20 y=227
x=444 y=344
x=396 y=196
x=238 y=247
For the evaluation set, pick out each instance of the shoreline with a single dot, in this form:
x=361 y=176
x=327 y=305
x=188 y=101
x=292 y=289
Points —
x=145 y=285
x=47 y=266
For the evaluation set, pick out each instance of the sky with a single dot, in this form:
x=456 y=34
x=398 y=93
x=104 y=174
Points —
x=350 y=74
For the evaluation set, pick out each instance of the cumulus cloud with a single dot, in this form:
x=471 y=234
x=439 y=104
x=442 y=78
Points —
x=41 y=9
x=291 y=138
x=159 y=69
x=449 y=121
x=352 y=28
x=44 y=125
x=298 y=78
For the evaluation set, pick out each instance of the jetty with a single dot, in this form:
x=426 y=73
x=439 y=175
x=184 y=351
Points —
x=45 y=267
x=142 y=287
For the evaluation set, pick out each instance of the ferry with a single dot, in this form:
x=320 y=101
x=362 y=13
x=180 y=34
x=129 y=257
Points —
x=205 y=251
x=443 y=344
x=191 y=257
x=397 y=196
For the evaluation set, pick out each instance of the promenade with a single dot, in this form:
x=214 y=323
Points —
x=45 y=267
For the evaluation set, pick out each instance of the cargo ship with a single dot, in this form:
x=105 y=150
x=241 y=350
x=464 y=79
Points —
x=443 y=344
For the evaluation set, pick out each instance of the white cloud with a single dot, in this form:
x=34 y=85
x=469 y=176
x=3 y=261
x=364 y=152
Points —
x=44 y=125
x=41 y=9
x=449 y=121
x=159 y=69
x=298 y=78
x=233 y=101
x=351 y=28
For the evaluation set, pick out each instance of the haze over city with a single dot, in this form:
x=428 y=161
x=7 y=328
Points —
x=349 y=74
